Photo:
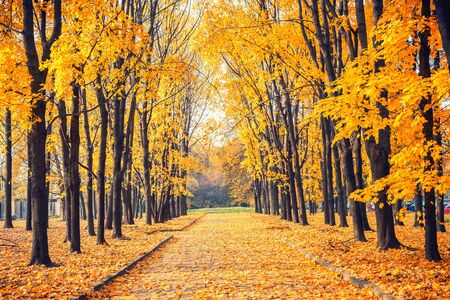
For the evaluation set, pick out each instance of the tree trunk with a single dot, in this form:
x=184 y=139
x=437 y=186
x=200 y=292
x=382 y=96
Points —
x=418 y=214
x=101 y=163
x=274 y=198
x=29 y=186
x=440 y=218
x=144 y=123
x=323 y=169
x=359 y=179
x=339 y=191
x=119 y=110
x=378 y=153
x=38 y=132
x=109 y=212
x=425 y=105
x=282 y=201
x=64 y=137
x=90 y=153
x=74 y=174
x=48 y=171
x=127 y=201
x=397 y=213
x=289 y=122
x=292 y=188
x=443 y=16
x=349 y=175
x=83 y=207
x=127 y=163
x=329 y=172
x=38 y=136
x=8 y=174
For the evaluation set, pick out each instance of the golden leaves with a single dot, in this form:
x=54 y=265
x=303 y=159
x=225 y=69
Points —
x=231 y=255
x=74 y=274
x=403 y=273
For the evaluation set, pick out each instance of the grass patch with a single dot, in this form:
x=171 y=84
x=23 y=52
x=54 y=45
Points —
x=221 y=210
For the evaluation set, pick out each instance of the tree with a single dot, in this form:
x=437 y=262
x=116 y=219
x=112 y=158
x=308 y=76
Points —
x=8 y=173
x=38 y=131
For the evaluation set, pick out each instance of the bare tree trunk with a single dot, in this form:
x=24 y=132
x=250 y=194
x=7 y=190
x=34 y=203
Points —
x=65 y=160
x=101 y=163
x=29 y=187
x=440 y=218
x=443 y=16
x=339 y=191
x=109 y=212
x=8 y=174
x=119 y=110
x=425 y=105
x=74 y=174
x=38 y=132
x=90 y=153
x=347 y=161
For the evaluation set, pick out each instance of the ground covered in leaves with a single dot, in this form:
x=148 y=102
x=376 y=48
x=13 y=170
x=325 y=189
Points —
x=226 y=254
x=230 y=255
x=74 y=274
x=403 y=272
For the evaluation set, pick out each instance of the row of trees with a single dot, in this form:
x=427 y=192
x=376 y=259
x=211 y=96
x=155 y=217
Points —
x=339 y=101
x=104 y=98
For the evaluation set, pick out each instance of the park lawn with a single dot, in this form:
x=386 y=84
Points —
x=222 y=210
x=73 y=274
x=401 y=272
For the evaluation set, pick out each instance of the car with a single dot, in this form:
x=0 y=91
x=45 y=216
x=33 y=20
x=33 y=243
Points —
x=410 y=206
x=447 y=209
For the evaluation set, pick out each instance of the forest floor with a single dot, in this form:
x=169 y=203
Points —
x=73 y=274
x=400 y=272
x=227 y=253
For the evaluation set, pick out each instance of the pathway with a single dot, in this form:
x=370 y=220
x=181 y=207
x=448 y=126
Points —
x=229 y=256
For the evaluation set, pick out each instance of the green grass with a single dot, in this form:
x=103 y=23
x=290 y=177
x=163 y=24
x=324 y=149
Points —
x=221 y=210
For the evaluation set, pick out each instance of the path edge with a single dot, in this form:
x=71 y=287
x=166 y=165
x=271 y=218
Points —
x=344 y=274
x=125 y=269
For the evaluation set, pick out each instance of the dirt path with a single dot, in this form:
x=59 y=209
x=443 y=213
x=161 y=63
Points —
x=229 y=256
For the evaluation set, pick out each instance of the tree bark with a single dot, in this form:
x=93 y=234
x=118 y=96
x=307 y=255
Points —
x=292 y=188
x=144 y=123
x=425 y=105
x=119 y=111
x=378 y=153
x=440 y=218
x=349 y=175
x=323 y=168
x=109 y=209
x=38 y=132
x=443 y=16
x=74 y=174
x=90 y=153
x=64 y=137
x=127 y=164
x=29 y=186
x=83 y=207
x=397 y=213
x=8 y=174
x=359 y=180
x=101 y=163
x=339 y=191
